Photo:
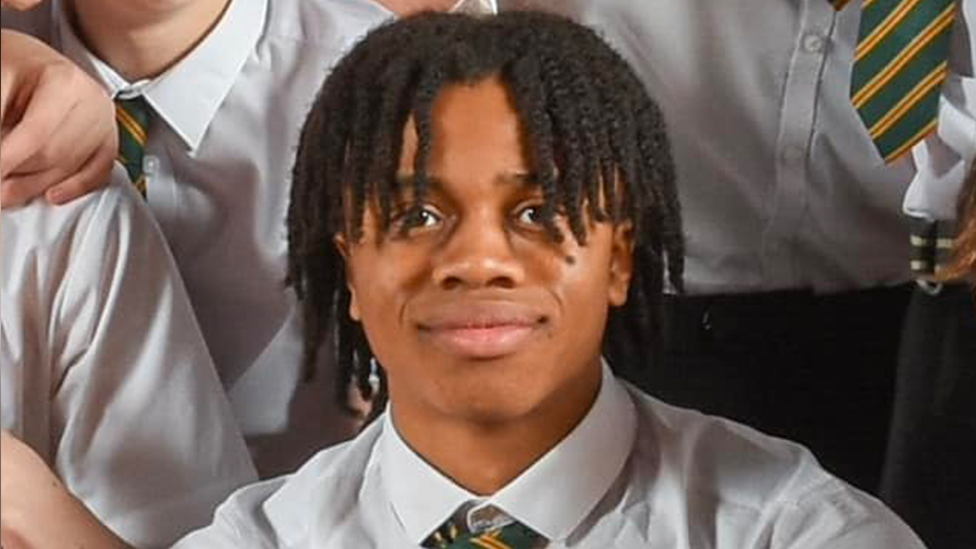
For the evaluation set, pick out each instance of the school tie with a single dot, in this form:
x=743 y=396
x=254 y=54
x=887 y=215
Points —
x=512 y=536
x=132 y=117
x=899 y=66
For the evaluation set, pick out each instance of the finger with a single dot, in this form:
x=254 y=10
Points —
x=81 y=133
x=94 y=174
x=41 y=118
x=19 y=189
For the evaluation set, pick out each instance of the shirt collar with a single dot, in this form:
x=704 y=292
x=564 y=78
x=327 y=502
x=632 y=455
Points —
x=552 y=497
x=187 y=95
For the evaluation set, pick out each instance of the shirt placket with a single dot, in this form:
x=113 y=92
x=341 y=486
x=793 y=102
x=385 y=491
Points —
x=793 y=144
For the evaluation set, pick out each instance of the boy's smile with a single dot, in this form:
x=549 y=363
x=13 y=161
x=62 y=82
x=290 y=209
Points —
x=481 y=327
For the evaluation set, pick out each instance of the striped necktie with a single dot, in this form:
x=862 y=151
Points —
x=132 y=117
x=899 y=66
x=513 y=536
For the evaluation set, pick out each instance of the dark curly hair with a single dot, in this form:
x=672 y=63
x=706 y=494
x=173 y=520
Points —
x=588 y=120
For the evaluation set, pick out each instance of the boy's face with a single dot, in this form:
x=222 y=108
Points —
x=472 y=309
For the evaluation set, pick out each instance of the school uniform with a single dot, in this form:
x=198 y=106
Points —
x=104 y=371
x=635 y=472
x=224 y=126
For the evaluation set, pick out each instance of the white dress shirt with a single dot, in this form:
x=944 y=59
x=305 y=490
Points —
x=780 y=185
x=104 y=371
x=218 y=174
x=634 y=473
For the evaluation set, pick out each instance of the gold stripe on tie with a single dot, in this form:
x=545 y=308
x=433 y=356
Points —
x=132 y=116
x=867 y=45
x=934 y=79
x=131 y=125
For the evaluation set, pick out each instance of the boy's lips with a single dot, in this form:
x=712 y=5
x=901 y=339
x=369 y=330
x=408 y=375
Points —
x=481 y=329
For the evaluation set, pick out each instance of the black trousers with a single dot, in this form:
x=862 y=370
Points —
x=930 y=471
x=814 y=369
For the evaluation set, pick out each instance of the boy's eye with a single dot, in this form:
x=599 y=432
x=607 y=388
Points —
x=530 y=215
x=416 y=217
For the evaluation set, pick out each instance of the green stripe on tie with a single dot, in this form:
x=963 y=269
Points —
x=900 y=65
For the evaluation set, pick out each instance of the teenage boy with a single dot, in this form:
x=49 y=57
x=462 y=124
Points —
x=486 y=228
x=219 y=89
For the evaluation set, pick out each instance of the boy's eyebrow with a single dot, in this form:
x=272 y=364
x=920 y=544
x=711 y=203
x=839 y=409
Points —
x=528 y=180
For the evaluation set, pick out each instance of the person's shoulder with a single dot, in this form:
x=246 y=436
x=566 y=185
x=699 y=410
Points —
x=289 y=507
x=746 y=477
x=737 y=461
x=323 y=22
x=40 y=227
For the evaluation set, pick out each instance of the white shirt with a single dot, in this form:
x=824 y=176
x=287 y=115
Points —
x=780 y=185
x=104 y=371
x=634 y=473
x=218 y=168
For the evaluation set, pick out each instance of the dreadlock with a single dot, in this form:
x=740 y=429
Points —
x=593 y=132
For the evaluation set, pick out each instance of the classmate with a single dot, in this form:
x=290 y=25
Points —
x=486 y=228
x=224 y=85
x=797 y=246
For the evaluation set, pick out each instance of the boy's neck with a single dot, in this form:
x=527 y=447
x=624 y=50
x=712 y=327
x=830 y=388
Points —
x=143 y=39
x=484 y=458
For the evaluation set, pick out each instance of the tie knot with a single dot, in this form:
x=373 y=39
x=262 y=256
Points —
x=514 y=535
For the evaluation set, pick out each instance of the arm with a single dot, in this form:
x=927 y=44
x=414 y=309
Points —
x=33 y=498
x=141 y=428
x=59 y=134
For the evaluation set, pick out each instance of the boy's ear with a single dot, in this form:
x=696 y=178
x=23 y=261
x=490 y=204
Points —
x=621 y=263
x=342 y=246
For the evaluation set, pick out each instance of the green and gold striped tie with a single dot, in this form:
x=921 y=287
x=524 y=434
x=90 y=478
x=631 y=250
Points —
x=132 y=117
x=513 y=536
x=899 y=66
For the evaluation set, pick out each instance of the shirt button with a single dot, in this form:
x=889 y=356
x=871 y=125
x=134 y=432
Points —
x=813 y=43
x=150 y=164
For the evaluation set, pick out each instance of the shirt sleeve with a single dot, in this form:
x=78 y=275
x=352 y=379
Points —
x=943 y=160
x=835 y=516
x=141 y=430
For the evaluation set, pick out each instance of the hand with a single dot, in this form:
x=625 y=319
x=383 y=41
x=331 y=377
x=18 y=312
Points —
x=19 y=5
x=59 y=128
x=25 y=481
x=38 y=511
